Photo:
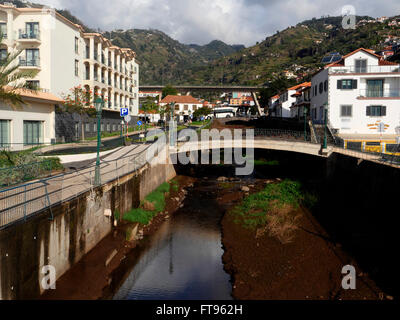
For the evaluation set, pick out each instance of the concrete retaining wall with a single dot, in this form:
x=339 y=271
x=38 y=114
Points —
x=78 y=226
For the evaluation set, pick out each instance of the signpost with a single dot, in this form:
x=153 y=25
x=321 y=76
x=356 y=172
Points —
x=124 y=112
x=127 y=120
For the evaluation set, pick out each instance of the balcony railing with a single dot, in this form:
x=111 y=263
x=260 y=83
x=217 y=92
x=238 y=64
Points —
x=367 y=69
x=29 y=63
x=387 y=93
x=22 y=35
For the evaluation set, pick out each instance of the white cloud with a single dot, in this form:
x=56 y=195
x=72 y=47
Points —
x=232 y=21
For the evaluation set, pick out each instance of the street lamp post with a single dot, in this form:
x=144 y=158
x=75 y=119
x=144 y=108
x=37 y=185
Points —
x=305 y=123
x=98 y=103
x=171 y=125
x=325 y=145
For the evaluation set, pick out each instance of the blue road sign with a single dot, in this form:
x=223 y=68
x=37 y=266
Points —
x=124 y=112
x=139 y=123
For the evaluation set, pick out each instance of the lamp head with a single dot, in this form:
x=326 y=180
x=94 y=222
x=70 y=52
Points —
x=98 y=104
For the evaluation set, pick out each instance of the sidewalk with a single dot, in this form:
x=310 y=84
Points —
x=85 y=143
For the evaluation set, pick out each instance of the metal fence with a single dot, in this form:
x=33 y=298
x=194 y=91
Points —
x=20 y=202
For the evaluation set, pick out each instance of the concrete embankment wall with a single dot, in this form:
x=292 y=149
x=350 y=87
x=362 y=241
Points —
x=78 y=226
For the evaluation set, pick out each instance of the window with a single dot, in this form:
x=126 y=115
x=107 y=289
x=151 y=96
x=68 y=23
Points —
x=375 y=88
x=33 y=132
x=31 y=58
x=76 y=68
x=4 y=132
x=346 y=111
x=326 y=85
x=347 y=84
x=94 y=126
x=3 y=30
x=76 y=45
x=321 y=88
x=376 y=111
x=177 y=107
x=32 y=30
x=33 y=84
x=87 y=52
x=185 y=107
x=361 y=65
x=315 y=90
x=108 y=127
x=102 y=127
x=3 y=54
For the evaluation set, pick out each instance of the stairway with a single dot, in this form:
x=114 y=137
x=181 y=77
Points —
x=319 y=132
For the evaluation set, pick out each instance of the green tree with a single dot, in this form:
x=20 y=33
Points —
x=149 y=106
x=203 y=111
x=12 y=80
x=169 y=90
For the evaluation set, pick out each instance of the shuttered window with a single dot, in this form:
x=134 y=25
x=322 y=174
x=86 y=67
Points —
x=376 y=111
x=347 y=84
x=345 y=111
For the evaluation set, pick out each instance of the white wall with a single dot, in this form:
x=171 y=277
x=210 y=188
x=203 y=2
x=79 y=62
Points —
x=32 y=111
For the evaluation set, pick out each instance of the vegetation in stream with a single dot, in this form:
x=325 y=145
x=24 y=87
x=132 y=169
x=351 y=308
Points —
x=153 y=203
x=273 y=209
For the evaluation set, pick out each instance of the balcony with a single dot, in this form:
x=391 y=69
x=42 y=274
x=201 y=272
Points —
x=28 y=36
x=31 y=63
x=372 y=94
x=363 y=70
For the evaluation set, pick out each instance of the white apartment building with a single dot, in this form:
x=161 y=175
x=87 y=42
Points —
x=359 y=92
x=286 y=100
x=185 y=106
x=302 y=104
x=65 y=56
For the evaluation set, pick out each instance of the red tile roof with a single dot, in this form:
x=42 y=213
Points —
x=301 y=85
x=180 y=99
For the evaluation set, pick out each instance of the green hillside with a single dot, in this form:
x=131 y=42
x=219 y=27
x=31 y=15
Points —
x=165 y=60
x=299 y=49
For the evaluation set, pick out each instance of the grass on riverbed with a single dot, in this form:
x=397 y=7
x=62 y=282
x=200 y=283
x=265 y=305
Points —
x=273 y=209
x=152 y=204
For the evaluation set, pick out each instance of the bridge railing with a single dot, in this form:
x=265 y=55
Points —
x=282 y=134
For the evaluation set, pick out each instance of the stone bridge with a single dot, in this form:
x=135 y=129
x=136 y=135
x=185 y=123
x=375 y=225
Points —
x=271 y=143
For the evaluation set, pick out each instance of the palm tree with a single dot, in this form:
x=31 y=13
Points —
x=12 y=80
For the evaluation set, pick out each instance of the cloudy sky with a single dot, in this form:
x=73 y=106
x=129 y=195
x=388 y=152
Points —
x=200 y=21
